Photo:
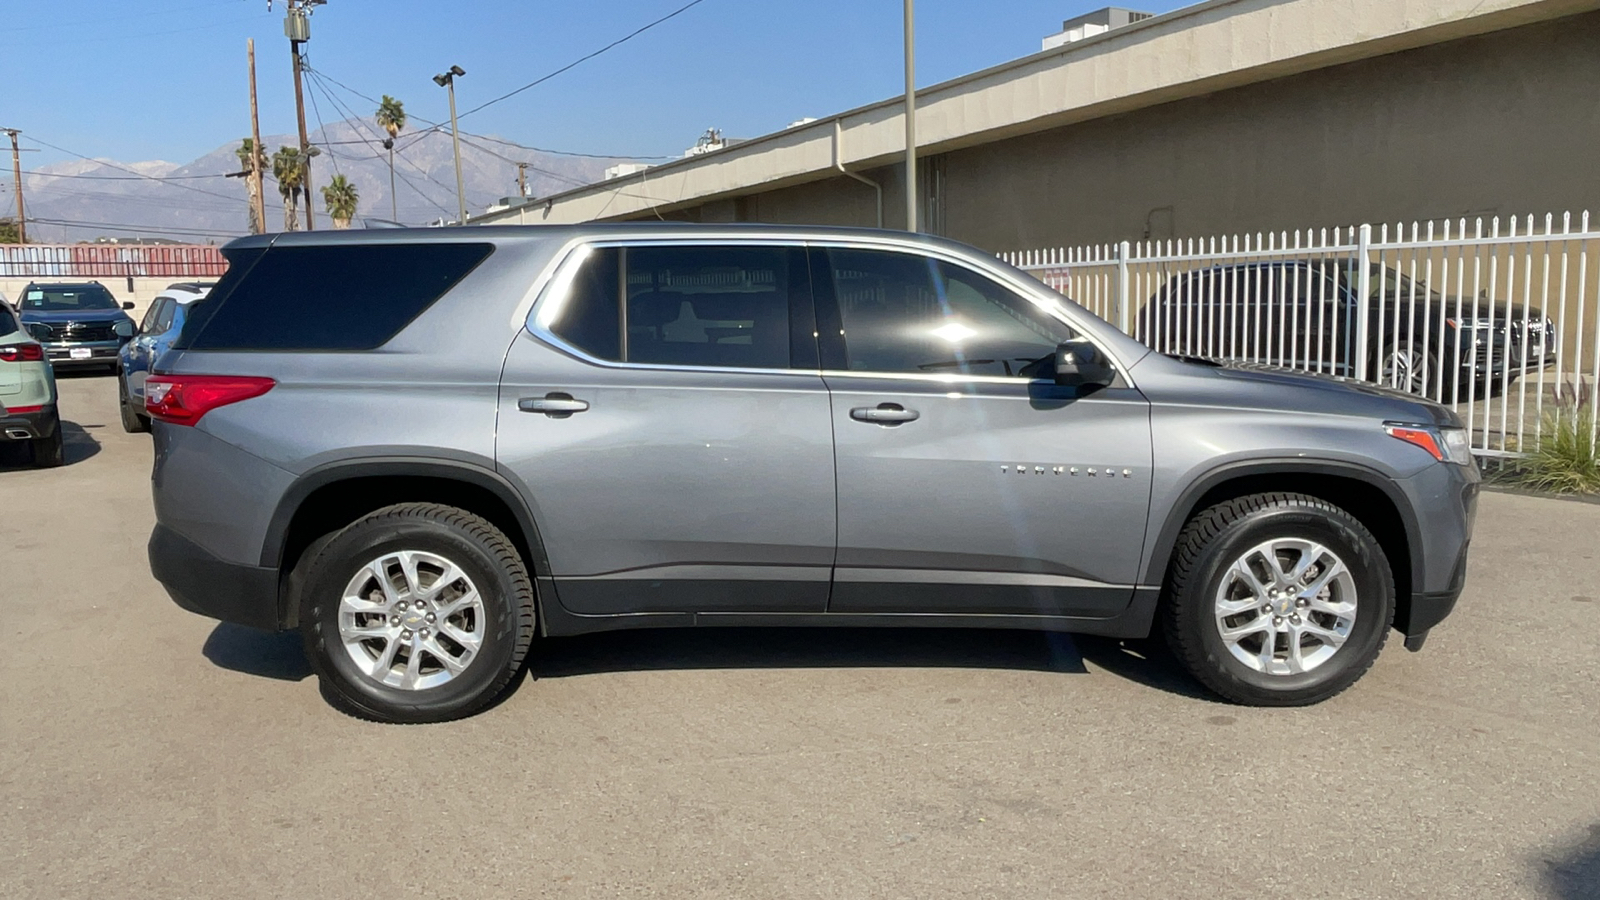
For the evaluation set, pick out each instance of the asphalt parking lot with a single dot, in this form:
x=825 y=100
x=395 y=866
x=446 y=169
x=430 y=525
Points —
x=147 y=752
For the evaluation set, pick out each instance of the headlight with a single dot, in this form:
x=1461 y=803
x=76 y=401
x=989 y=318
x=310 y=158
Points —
x=123 y=329
x=1449 y=445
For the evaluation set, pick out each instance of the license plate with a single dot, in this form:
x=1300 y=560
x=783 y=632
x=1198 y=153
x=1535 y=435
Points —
x=80 y=353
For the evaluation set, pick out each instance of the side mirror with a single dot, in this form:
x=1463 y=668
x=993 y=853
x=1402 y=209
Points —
x=1080 y=363
x=40 y=332
x=127 y=305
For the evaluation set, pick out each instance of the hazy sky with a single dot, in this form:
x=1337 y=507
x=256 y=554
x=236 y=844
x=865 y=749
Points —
x=166 y=79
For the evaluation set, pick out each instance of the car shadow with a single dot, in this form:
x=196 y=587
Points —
x=280 y=655
x=1574 y=873
x=74 y=374
x=276 y=655
x=79 y=446
x=804 y=648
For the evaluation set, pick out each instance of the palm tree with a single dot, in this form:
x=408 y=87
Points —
x=391 y=116
x=244 y=151
x=290 y=171
x=341 y=198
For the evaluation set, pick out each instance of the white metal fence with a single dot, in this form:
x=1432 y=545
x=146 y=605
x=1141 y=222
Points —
x=1496 y=319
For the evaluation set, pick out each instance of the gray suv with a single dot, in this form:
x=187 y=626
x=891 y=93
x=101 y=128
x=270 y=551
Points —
x=421 y=448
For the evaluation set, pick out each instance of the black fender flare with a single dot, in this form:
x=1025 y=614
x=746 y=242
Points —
x=1178 y=513
x=400 y=466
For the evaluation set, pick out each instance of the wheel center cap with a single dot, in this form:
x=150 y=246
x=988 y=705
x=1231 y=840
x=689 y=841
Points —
x=1285 y=604
x=414 y=620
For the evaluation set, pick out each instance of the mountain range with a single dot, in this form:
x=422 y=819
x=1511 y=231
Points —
x=195 y=202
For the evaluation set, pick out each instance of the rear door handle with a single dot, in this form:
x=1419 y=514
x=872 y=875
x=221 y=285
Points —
x=884 y=414
x=554 y=404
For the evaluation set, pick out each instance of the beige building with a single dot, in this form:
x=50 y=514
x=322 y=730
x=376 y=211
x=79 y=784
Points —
x=1223 y=117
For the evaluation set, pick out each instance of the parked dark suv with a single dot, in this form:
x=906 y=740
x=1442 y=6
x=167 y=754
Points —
x=1303 y=314
x=87 y=326
x=421 y=447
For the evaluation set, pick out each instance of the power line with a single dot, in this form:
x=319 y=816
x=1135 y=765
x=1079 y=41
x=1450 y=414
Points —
x=124 y=177
x=583 y=59
x=437 y=126
x=122 y=168
x=316 y=83
x=137 y=229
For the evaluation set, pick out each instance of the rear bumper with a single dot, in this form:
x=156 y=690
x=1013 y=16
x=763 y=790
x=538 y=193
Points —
x=204 y=584
x=21 y=426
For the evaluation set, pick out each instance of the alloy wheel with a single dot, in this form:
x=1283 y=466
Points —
x=1286 y=606
x=411 y=620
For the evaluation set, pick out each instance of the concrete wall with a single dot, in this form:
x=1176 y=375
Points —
x=1503 y=123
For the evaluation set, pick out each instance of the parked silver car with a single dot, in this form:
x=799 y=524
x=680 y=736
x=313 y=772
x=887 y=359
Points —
x=421 y=447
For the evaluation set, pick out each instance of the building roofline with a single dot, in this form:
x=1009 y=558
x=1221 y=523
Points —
x=1256 y=55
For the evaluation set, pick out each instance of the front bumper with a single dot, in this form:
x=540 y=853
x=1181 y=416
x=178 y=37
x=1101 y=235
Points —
x=98 y=353
x=27 y=426
x=204 y=584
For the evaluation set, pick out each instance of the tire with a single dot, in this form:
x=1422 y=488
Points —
x=434 y=537
x=132 y=422
x=1203 y=576
x=50 y=452
x=1425 y=384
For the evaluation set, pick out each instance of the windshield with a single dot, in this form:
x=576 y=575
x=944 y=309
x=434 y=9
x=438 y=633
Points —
x=68 y=299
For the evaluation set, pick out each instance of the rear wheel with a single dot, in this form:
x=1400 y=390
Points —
x=132 y=421
x=417 y=613
x=1278 y=599
x=50 y=452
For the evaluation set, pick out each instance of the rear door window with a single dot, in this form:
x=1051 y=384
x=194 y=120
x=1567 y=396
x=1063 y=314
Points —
x=703 y=306
x=328 y=298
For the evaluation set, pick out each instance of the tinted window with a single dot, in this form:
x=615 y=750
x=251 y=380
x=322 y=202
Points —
x=347 y=297
x=686 y=306
x=240 y=262
x=903 y=313
x=7 y=323
x=68 y=298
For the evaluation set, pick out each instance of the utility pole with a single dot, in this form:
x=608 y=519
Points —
x=297 y=27
x=257 y=184
x=448 y=80
x=16 y=173
x=522 y=180
x=911 y=124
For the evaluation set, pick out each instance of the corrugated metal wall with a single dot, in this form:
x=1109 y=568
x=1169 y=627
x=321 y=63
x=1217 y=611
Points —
x=106 y=260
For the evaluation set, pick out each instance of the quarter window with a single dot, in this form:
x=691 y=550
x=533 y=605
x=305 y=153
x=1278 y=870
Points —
x=910 y=314
x=686 y=306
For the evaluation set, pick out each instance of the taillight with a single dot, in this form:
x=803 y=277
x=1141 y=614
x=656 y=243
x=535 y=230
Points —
x=22 y=353
x=185 y=399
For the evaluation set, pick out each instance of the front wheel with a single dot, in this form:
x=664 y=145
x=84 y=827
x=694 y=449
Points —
x=1278 y=599
x=417 y=613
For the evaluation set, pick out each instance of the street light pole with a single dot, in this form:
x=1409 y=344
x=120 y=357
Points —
x=911 y=123
x=448 y=81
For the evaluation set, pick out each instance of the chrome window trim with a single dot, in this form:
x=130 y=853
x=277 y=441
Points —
x=551 y=290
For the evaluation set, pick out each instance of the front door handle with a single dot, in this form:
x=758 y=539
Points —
x=884 y=414
x=556 y=405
